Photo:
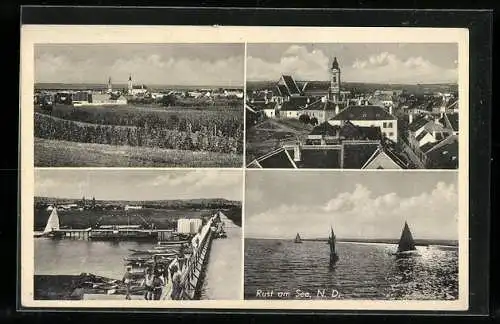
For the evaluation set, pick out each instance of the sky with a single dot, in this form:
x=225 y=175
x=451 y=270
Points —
x=278 y=204
x=154 y=64
x=148 y=184
x=407 y=63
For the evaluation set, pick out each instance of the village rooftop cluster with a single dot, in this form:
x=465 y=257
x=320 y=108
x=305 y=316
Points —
x=357 y=126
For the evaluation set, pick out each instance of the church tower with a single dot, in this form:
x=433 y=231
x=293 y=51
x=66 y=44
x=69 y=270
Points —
x=130 y=84
x=335 y=82
x=110 y=86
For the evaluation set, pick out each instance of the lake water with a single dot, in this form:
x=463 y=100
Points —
x=364 y=271
x=71 y=257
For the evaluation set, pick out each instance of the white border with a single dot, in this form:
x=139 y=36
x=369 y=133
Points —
x=31 y=34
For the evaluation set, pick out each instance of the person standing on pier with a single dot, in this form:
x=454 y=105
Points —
x=158 y=284
x=127 y=280
x=148 y=282
x=176 y=283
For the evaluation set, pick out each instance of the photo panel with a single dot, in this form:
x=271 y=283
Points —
x=138 y=105
x=352 y=105
x=355 y=238
x=135 y=235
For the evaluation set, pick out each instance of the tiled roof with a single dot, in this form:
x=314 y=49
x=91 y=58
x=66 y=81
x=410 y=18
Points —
x=328 y=105
x=277 y=159
x=325 y=129
x=318 y=158
x=295 y=103
x=364 y=113
x=417 y=124
x=422 y=135
x=453 y=121
x=356 y=155
x=316 y=86
x=444 y=155
x=428 y=146
x=291 y=85
x=281 y=90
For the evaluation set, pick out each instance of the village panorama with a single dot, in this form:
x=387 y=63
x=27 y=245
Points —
x=337 y=124
x=137 y=119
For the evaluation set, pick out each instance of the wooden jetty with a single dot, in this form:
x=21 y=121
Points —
x=192 y=270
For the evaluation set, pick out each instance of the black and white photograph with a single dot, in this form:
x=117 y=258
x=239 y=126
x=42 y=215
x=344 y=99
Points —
x=323 y=235
x=138 y=105
x=137 y=235
x=352 y=105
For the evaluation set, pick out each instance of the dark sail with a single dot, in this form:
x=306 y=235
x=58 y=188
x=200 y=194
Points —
x=406 y=242
x=298 y=239
x=333 y=254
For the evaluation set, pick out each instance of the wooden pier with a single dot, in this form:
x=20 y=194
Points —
x=113 y=234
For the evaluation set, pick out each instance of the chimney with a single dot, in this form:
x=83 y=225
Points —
x=296 y=153
x=323 y=99
x=390 y=109
x=337 y=110
x=410 y=118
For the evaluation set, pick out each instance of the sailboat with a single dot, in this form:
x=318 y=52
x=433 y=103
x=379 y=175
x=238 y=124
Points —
x=51 y=226
x=333 y=253
x=298 y=239
x=406 y=245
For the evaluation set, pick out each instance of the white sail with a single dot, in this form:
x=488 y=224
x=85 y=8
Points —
x=52 y=223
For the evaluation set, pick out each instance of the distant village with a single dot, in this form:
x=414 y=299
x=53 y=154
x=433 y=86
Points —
x=97 y=95
x=376 y=129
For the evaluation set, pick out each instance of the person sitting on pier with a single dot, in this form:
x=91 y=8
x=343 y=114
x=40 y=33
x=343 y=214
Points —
x=127 y=280
x=176 y=283
x=158 y=284
x=148 y=283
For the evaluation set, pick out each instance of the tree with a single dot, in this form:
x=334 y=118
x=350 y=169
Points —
x=304 y=118
x=168 y=100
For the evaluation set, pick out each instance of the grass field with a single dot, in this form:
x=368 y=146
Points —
x=56 y=153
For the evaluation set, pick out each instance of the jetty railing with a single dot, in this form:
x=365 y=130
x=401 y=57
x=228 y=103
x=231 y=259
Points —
x=192 y=270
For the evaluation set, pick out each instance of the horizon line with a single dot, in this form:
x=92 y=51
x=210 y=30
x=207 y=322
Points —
x=124 y=199
x=364 y=82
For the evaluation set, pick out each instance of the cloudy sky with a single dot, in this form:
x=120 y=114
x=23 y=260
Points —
x=372 y=63
x=278 y=204
x=139 y=184
x=157 y=64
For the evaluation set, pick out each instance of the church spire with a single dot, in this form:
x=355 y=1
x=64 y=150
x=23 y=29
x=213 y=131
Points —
x=335 y=64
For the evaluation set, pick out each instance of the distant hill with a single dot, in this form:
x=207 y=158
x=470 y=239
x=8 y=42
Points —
x=104 y=86
x=392 y=241
x=174 y=203
x=367 y=87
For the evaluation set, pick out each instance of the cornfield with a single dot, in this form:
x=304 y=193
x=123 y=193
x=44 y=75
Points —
x=195 y=132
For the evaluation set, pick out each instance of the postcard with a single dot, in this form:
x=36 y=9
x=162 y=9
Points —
x=255 y=168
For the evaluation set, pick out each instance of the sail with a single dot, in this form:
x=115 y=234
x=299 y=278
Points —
x=297 y=238
x=406 y=242
x=53 y=222
x=332 y=241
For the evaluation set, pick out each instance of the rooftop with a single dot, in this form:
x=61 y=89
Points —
x=364 y=113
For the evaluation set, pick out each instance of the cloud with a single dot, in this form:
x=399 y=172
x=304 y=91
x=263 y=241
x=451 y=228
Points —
x=295 y=60
x=204 y=183
x=145 y=68
x=385 y=66
x=361 y=214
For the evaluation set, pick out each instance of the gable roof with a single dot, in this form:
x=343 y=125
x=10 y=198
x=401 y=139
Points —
x=444 y=154
x=281 y=90
x=422 y=135
x=418 y=123
x=364 y=113
x=290 y=84
x=356 y=154
x=316 y=86
x=295 y=103
x=318 y=157
x=277 y=159
x=450 y=121
x=328 y=105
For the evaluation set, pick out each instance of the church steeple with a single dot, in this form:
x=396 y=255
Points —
x=335 y=81
x=130 y=87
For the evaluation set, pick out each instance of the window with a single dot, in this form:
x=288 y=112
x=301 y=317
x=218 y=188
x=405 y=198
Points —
x=384 y=125
x=389 y=125
x=391 y=134
x=334 y=79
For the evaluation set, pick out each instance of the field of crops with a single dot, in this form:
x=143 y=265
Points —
x=162 y=218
